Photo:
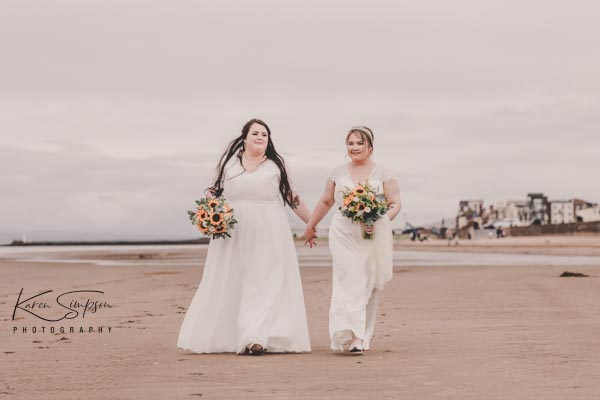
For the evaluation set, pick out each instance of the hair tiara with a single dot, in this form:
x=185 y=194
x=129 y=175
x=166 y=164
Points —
x=365 y=130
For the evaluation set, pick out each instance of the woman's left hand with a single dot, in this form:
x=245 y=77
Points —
x=370 y=229
x=310 y=234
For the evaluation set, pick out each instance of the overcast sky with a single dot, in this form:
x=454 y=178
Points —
x=113 y=113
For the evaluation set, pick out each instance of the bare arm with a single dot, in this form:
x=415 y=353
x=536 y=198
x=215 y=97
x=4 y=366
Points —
x=300 y=208
x=323 y=206
x=391 y=190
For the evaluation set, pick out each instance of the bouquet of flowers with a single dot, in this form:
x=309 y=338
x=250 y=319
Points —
x=364 y=204
x=213 y=217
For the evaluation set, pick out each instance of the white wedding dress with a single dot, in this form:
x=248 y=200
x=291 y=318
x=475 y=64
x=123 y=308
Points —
x=360 y=267
x=251 y=290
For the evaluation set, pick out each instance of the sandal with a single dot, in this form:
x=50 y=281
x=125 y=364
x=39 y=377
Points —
x=356 y=347
x=255 y=349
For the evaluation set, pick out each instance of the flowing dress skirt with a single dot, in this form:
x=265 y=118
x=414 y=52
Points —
x=360 y=269
x=251 y=290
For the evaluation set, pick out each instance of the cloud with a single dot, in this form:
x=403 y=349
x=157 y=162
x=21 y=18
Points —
x=113 y=117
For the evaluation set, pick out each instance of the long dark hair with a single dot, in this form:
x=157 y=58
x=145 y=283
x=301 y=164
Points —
x=236 y=147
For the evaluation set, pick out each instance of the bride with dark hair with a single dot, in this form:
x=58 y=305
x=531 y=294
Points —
x=250 y=297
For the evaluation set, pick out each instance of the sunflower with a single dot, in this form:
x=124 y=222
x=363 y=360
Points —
x=361 y=207
x=202 y=214
x=348 y=200
x=202 y=229
x=221 y=229
x=359 y=190
x=213 y=203
x=216 y=219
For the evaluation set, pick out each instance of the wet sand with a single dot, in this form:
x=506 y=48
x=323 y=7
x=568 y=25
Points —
x=453 y=332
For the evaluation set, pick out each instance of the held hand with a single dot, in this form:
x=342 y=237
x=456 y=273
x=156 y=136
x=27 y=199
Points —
x=209 y=194
x=310 y=234
x=370 y=229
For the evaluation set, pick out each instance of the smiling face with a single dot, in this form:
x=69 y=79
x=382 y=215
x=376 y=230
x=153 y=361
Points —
x=257 y=139
x=358 y=147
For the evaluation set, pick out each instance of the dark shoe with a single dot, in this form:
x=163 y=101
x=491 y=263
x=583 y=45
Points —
x=356 y=347
x=256 y=350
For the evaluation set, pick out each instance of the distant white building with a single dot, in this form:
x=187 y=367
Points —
x=512 y=210
x=562 y=212
x=589 y=214
x=586 y=212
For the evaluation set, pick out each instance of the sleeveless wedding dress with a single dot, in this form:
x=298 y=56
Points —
x=360 y=267
x=250 y=290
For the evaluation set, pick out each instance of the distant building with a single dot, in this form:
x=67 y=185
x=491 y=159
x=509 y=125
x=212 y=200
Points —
x=475 y=206
x=585 y=211
x=470 y=213
x=536 y=210
x=514 y=210
x=539 y=208
x=562 y=212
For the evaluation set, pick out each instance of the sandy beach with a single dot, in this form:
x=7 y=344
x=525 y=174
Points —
x=514 y=330
x=573 y=245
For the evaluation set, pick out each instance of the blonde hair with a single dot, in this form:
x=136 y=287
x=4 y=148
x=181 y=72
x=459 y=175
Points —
x=365 y=133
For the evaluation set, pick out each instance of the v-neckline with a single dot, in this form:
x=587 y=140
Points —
x=352 y=180
x=255 y=169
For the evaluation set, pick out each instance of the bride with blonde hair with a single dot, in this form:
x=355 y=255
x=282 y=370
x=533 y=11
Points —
x=360 y=267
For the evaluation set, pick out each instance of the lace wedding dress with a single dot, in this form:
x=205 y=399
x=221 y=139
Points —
x=360 y=267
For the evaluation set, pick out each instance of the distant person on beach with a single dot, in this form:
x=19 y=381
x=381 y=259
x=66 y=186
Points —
x=360 y=267
x=250 y=298
x=499 y=232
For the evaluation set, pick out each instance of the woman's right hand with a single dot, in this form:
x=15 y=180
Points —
x=368 y=228
x=310 y=234
x=209 y=194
